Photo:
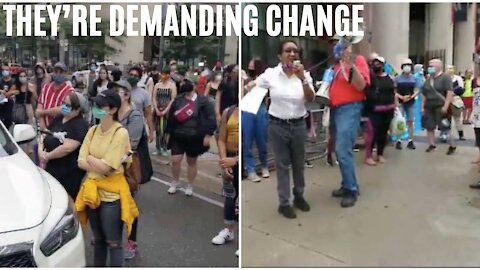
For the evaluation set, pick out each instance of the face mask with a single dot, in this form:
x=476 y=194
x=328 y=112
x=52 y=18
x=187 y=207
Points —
x=5 y=73
x=58 y=79
x=39 y=72
x=98 y=113
x=251 y=72
x=155 y=77
x=66 y=111
x=93 y=68
x=173 y=68
x=431 y=70
x=133 y=81
x=218 y=78
x=377 y=69
x=23 y=80
x=407 y=69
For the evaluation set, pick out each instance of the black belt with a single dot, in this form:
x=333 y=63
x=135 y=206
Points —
x=287 y=121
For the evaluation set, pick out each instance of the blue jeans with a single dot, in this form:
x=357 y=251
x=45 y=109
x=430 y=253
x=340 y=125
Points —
x=255 y=127
x=346 y=122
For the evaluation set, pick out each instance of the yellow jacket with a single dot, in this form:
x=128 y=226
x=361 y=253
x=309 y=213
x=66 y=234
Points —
x=88 y=198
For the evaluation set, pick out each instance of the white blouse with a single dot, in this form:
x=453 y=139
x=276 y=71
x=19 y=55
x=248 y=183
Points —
x=286 y=93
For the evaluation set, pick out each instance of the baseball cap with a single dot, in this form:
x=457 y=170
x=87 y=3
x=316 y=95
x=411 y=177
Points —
x=379 y=59
x=108 y=98
x=123 y=84
x=61 y=66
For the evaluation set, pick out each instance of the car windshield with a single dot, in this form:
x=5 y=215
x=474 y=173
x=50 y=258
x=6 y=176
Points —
x=7 y=147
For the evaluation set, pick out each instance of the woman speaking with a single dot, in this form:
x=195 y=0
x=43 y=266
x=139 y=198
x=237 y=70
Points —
x=289 y=88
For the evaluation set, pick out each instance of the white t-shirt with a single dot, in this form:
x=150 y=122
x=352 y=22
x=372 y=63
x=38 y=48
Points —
x=476 y=107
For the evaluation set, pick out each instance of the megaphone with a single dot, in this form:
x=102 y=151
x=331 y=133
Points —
x=347 y=40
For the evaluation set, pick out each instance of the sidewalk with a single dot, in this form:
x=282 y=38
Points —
x=208 y=169
x=416 y=210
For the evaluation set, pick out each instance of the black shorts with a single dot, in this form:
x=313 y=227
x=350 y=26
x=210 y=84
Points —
x=432 y=118
x=477 y=137
x=193 y=147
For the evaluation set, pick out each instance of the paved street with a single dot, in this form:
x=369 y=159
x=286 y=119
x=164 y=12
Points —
x=176 y=231
x=416 y=210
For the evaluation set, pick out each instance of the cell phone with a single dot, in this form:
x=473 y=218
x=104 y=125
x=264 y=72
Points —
x=296 y=62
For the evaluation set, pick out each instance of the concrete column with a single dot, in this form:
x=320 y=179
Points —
x=390 y=29
x=439 y=30
x=464 y=43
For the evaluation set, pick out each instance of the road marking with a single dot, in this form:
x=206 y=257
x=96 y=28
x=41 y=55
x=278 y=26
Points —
x=199 y=196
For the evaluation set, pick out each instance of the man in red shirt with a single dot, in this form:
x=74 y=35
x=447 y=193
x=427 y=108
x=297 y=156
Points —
x=352 y=76
x=53 y=95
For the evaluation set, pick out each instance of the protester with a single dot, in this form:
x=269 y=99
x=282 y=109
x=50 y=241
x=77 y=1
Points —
x=190 y=126
x=384 y=101
x=407 y=92
x=255 y=128
x=60 y=151
x=53 y=95
x=346 y=97
x=141 y=100
x=7 y=95
x=105 y=195
x=40 y=78
x=132 y=120
x=289 y=88
x=475 y=120
x=212 y=87
x=228 y=151
x=100 y=84
x=468 y=97
x=437 y=97
x=227 y=94
x=457 y=106
x=164 y=94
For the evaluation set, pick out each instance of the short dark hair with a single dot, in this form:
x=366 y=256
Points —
x=138 y=69
x=285 y=41
x=187 y=86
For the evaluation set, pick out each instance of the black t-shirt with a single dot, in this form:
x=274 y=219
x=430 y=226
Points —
x=66 y=169
x=229 y=95
x=382 y=91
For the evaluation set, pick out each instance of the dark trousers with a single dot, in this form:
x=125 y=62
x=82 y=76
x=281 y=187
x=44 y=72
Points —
x=133 y=234
x=230 y=191
x=381 y=124
x=107 y=227
x=288 y=143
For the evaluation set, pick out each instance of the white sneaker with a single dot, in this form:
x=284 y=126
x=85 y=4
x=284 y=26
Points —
x=173 y=187
x=189 y=190
x=253 y=177
x=222 y=237
x=265 y=173
x=236 y=253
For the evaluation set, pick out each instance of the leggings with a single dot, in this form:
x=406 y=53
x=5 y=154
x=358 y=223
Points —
x=368 y=134
x=107 y=227
x=160 y=140
x=381 y=124
x=230 y=191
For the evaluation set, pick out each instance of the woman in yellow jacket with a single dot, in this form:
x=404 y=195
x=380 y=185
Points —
x=105 y=196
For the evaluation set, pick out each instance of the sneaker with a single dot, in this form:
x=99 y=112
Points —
x=349 y=199
x=339 y=193
x=399 y=145
x=431 y=148
x=287 y=211
x=356 y=148
x=475 y=186
x=130 y=250
x=265 y=173
x=253 y=177
x=236 y=253
x=164 y=153
x=451 y=150
x=189 y=190
x=222 y=237
x=156 y=153
x=300 y=203
x=308 y=164
x=173 y=187
x=411 y=145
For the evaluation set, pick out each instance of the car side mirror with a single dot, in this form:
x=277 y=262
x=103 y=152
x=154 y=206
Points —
x=23 y=133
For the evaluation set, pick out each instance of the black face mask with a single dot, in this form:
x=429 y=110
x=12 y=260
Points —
x=156 y=77
x=377 y=69
x=251 y=73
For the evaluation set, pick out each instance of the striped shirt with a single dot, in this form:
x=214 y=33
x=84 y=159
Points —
x=50 y=98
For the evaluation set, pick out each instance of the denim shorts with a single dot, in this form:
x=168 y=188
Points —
x=408 y=111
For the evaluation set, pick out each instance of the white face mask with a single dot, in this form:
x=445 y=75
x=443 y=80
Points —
x=218 y=78
x=407 y=69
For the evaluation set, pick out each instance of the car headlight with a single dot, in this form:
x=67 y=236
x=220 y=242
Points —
x=65 y=230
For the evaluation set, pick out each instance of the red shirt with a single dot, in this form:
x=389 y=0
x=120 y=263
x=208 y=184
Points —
x=341 y=91
x=51 y=99
x=202 y=82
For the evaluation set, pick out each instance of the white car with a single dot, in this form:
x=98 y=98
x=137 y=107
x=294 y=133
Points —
x=38 y=223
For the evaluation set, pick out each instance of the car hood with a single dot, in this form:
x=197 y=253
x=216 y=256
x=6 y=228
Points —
x=25 y=197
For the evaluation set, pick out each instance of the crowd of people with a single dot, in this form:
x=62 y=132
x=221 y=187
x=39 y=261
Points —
x=95 y=138
x=365 y=95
